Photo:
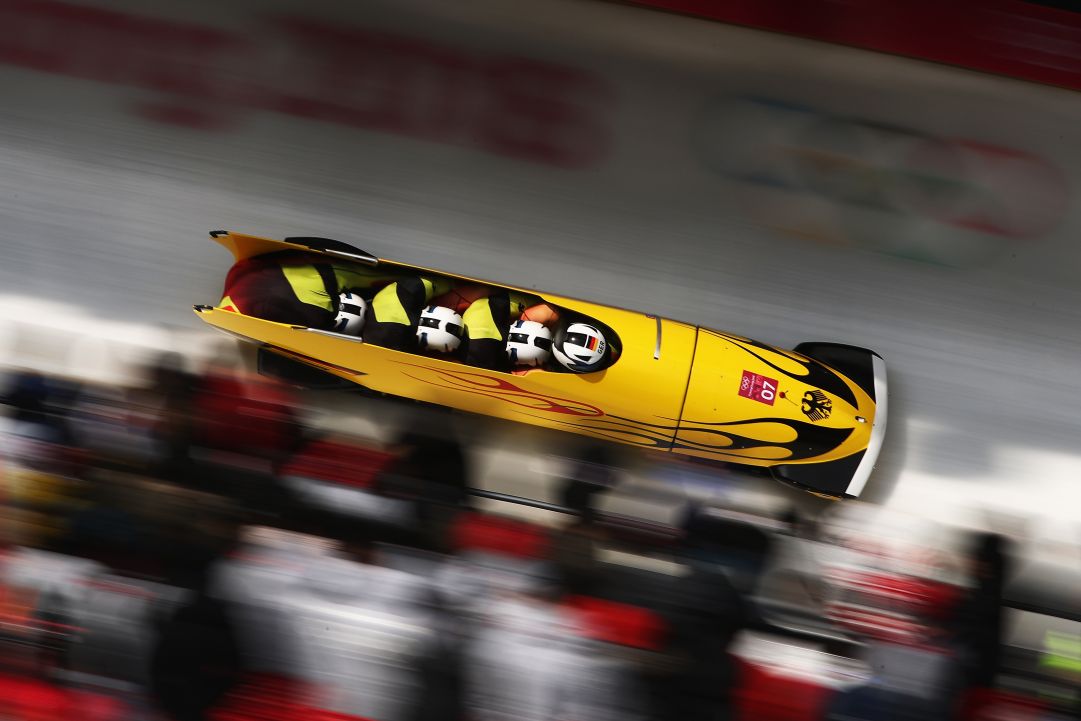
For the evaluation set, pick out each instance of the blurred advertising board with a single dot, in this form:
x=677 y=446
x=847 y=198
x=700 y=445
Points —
x=1027 y=40
x=483 y=109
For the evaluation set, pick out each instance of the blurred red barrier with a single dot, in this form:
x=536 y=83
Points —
x=518 y=107
x=238 y=417
x=32 y=700
x=502 y=536
x=273 y=698
x=1005 y=37
x=618 y=623
x=890 y=607
x=765 y=696
x=988 y=704
x=342 y=463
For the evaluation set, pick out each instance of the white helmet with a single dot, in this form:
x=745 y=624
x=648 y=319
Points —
x=529 y=343
x=581 y=348
x=440 y=329
x=350 y=318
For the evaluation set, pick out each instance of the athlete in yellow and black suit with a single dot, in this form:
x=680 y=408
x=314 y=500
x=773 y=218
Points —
x=394 y=312
x=487 y=315
x=295 y=287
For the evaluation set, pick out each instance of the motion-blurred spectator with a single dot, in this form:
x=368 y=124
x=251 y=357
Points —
x=706 y=611
x=738 y=548
x=899 y=596
x=359 y=636
x=533 y=652
x=980 y=618
x=197 y=660
x=791 y=587
x=592 y=473
x=908 y=683
x=222 y=431
x=712 y=614
x=533 y=660
x=432 y=470
x=39 y=402
x=39 y=480
x=112 y=429
x=170 y=396
x=575 y=554
x=245 y=415
x=103 y=527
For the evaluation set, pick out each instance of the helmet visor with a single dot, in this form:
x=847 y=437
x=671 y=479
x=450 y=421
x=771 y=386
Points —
x=453 y=328
x=524 y=339
x=350 y=308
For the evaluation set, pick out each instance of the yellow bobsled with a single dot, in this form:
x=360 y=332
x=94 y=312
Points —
x=815 y=416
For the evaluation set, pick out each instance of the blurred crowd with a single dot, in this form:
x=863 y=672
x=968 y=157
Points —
x=190 y=548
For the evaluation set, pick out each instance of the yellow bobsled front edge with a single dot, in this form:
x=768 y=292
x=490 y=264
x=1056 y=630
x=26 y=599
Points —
x=248 y=246
x=878 y=430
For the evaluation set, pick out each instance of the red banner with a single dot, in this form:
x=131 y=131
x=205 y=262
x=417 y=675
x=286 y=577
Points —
x=1005 y=37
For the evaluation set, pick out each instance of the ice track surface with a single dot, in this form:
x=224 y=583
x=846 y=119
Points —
x=642 y=160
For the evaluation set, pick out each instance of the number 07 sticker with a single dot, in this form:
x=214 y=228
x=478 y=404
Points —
x=758 y=388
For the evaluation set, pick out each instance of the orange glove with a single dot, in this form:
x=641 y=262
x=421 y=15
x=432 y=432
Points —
x=461 y=297
x=542 y=313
